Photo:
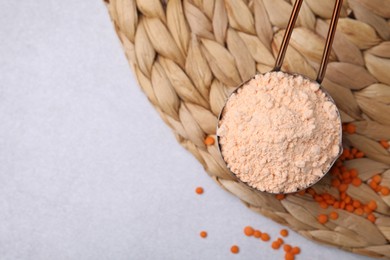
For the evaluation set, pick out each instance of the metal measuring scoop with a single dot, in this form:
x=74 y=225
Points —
x=320 y=77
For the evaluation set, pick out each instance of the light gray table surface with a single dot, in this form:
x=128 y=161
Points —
x=88 y=170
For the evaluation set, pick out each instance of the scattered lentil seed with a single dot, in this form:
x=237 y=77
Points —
x=385 y=191
x=199 y=190
x=257 y=234
x=296 y=250
x=371 y=217
x=372 y=205
x=289 y=256
x=209 y=140
x=275 y=245
x=203 y=234
x=333 y=215
x=234 y=249
x=287 y=248
x=284 y=232
x=249 y=231
x=322 y=218
x=385 y=144
x=265 y=237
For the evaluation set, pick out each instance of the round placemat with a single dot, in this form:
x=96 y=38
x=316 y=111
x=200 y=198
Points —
x=189 y=55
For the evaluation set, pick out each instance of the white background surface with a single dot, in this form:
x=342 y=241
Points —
x=87 y=168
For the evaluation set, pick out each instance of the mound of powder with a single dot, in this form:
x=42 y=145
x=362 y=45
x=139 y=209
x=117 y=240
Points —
x=279 y=132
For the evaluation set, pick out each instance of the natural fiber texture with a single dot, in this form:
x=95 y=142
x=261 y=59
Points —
x=189 y=55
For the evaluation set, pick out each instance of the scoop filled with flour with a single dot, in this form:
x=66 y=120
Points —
x=279 y=132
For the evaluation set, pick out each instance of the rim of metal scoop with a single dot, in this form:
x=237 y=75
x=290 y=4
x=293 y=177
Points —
x=320 y=77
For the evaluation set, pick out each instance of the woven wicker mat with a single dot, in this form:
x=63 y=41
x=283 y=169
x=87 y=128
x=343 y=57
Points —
x=189 y=55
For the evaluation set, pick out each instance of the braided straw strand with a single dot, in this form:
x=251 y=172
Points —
x=189 y=55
